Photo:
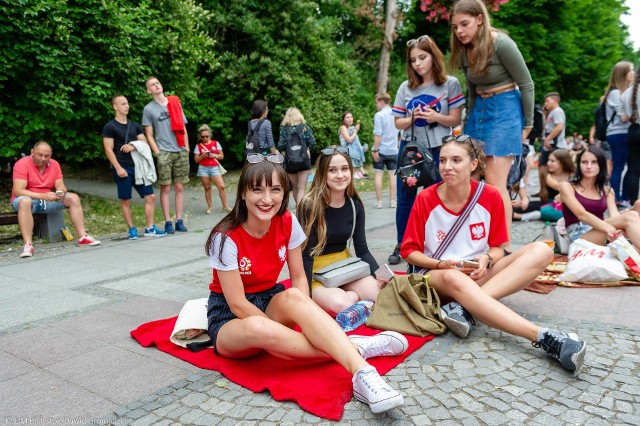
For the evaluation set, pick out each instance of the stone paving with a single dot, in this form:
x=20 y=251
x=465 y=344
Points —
x=66 y=355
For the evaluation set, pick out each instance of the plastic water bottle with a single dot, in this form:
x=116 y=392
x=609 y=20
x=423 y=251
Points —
x=547 y=235
x=355 y=315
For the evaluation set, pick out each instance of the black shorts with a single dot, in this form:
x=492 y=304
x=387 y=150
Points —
x=544 y=156
x=388 y=161
x=295 y=168
x=218 y=312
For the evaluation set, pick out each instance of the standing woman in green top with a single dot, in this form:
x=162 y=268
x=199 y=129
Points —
x=500 y=91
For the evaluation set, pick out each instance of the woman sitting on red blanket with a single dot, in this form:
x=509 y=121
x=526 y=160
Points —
x=477 y=288
x=249 y=313
x=587 y=197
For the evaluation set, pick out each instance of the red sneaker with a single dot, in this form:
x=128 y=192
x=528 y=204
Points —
x=27 y=250
x=88 y=240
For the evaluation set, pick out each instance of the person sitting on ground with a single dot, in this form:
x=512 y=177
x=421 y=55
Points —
x=476 y=290
x=249 y=313
x=120 y=137
x=326 y=214
x=38 y=187
x=586 y=199
x=561 y=167
x=207 y=154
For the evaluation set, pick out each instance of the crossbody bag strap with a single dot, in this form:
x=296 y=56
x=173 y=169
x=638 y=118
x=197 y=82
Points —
x=353 y=228
x=457 y=224
x=126 y=133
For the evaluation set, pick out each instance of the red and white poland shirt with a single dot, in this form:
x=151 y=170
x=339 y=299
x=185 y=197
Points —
x=259 y=260
x=430 y=220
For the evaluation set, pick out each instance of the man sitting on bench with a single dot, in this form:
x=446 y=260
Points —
x=38 y=187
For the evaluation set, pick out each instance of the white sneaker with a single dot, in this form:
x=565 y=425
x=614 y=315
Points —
x=393 y=204
x=387 y=343
x=379 y=205
x=370 y=388
x=27 y=250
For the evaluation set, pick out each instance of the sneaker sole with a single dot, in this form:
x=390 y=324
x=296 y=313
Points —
x=133 y=238
x=155 y=235
x=578 y=357
x=23 y=255
x=95 y=243
x=456 y=327
x=381 y=406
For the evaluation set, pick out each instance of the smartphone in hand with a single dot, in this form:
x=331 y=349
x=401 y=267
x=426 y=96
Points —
x=470 y=264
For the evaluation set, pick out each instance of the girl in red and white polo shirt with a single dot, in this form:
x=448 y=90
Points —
x=477 y=288
x=207 y=153
x=249 y=313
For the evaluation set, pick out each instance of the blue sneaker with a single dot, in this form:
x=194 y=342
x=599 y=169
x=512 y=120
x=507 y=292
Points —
x=180 y=226
x=154 y=232
x=168 y=227
x=133 y=233
x=567 y=348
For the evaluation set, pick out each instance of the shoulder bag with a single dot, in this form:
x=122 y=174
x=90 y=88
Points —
x=346 y=270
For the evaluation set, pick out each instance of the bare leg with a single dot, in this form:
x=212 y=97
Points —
x=165 y=201
x=72 y=202
x=150 y=209
x=321 y=336
x=206 y=184
x=628 y=222
x=179 y=190
x=392 y=186
x=125 y=208
x=377 y=181
x=303 y=176
x=25 y=219
x=293 y=178
x=496 y=174
x=365 y=288
x=543 y=171
x=219 y=183
x=334 y=300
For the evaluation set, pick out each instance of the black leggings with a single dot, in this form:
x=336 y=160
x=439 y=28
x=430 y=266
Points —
x=632 y=177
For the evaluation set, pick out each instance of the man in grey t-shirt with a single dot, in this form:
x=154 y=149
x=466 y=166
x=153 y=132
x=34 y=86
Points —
x=554 y=130
x=171 y=148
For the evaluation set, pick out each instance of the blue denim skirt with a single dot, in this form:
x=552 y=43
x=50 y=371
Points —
x=498 y=122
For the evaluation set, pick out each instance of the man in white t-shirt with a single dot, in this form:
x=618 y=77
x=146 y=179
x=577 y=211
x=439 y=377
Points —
x=385 y=148
x=554 y=127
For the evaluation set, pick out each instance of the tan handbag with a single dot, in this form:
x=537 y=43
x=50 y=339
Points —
x=408 y=305
x=222 y=169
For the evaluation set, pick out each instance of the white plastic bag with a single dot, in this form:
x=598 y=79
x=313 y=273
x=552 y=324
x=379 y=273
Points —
x=627 y=254
x=192 y=323
x=591 y=263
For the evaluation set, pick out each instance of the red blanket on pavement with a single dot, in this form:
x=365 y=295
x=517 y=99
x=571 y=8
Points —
x=321 y=388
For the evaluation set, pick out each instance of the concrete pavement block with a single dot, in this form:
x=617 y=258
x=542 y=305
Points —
x=42 y=394
x=12 y=366
x=49 y=344
x=110 y=370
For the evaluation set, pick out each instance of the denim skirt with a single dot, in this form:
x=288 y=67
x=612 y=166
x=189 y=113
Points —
x=498 y=122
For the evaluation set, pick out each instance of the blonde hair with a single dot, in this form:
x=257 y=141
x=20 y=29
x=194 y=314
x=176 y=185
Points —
x=311 y=209
x=618 y=79
x=482 y=46
x=204 y=128
x=292 y=117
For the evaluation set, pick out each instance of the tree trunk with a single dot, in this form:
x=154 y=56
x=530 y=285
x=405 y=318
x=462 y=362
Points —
x=387 y=44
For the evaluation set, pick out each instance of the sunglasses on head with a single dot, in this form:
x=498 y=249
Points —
x=461 y=139
x=331 y=151
x=274 y=157
x=415 y=41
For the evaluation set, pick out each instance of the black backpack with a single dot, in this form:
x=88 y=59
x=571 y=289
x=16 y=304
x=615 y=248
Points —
x=538 y=124
x=297 y=158
x=517 y=172
x=601 y=122
x=252 y=145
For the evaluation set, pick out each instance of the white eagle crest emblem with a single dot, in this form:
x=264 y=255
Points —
x=477 y=231
x=282 y=252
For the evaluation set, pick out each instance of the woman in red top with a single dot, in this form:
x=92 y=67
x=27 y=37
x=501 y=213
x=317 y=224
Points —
x=207 y=153
x=249 y=313
x=478 y=287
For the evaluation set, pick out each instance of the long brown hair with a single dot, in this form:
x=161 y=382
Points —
x=634 y=98
x=437 y=68
x=566 y=161
x=310 y=210
x=251 y=176
x=482 y=45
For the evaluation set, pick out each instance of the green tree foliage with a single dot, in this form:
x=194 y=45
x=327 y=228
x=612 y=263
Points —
x=286 y=53
x=63 y=60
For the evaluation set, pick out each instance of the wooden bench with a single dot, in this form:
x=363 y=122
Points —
x=45 y=225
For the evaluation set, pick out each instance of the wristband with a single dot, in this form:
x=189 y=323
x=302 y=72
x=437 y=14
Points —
x=438 y=264
x=490 y=264
x=375 y=150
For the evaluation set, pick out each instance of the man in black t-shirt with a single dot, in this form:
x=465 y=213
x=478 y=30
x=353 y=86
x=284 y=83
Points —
x=120 y=137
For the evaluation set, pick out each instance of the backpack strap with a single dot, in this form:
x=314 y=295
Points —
x=353 y=227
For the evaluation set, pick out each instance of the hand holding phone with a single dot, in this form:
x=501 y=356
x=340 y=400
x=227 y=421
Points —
x=470 y=264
